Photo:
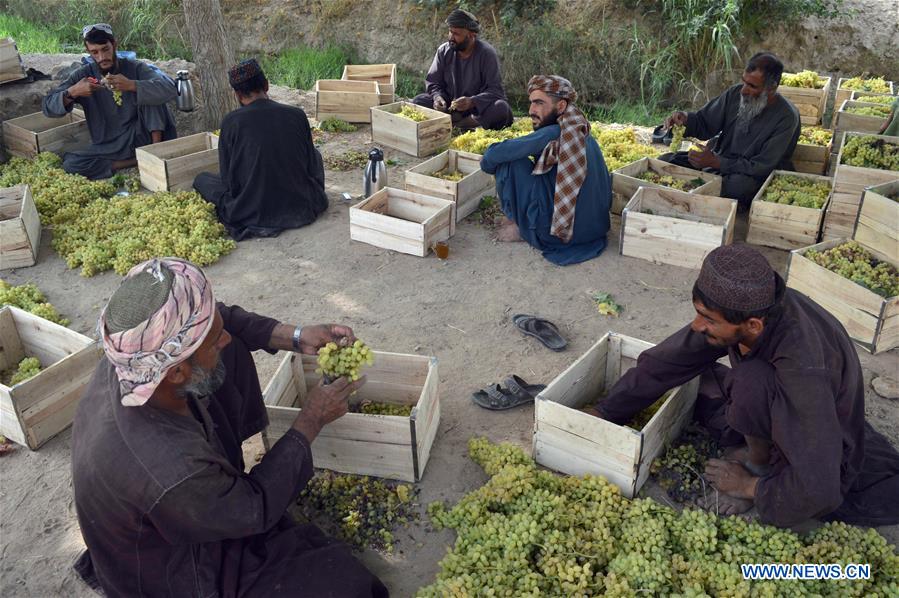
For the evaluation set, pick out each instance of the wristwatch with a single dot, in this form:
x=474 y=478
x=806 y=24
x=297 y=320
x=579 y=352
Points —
x=296 y=337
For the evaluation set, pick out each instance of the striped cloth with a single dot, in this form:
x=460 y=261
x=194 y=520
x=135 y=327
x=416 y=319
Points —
x=569 y=152
x=143 y=355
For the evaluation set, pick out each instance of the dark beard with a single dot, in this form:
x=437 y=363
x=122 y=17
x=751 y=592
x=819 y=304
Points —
x=113 y=69
x=460 y=47
x=204 y=382
x=551 y=119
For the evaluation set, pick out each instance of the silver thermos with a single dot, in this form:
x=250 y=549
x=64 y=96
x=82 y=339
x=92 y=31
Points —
x=185 y=92
x=375 y=172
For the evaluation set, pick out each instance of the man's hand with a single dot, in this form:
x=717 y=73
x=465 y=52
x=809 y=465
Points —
x=440 y=103
x=462 y=104
x=703 y=159
x=324 y=404
x=315 y=337
x=676 y=118
x=731 y=478
x=120 y=83
x=84 y=88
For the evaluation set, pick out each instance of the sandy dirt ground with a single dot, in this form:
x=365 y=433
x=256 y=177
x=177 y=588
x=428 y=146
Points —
x=458 y=310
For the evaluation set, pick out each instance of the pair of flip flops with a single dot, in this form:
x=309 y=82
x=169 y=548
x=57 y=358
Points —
x=543 y=330
x=515 y=392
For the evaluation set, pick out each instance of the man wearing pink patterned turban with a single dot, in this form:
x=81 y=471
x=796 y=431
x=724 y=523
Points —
x=165 y=505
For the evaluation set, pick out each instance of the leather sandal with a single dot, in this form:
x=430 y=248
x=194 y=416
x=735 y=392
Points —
x=543 y=330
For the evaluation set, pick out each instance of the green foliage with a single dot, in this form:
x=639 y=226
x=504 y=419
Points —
x=409 y=83
x=30 y=37
x=335 y=125
x=508 y=11
x=302 y=66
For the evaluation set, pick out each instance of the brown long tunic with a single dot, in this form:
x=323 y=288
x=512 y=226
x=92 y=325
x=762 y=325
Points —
x=166 y=508
x=826 y=460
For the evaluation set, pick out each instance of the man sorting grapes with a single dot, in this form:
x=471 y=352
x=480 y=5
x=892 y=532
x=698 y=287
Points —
x=755 y=131
x=165 y=505
x=553 y=184
x=124 y=102
x=270 y=177
x=465 y=80
x=790 y=409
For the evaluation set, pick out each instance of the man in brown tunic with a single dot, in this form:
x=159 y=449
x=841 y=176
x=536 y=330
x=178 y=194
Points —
x=165 y=505
x=794 y=396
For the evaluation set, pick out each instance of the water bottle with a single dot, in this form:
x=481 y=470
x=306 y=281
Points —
x=185 y=89
x=375 y=172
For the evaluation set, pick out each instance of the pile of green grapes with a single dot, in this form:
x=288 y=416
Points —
x=28 y=368
x=797 y=191
x=454 y=176
x=375 y=408
x=666 y=180
x=878 y=111
x=869 y=151
x=677 y=137
x=642 y=418
x=874 y=85
x=336 y=125
x=529 y=532
x=348 y=160
x=412 y=113
x=123 y=231
x=29 y=298
x=335 y=361
x=478 y=140
x=806 y=79
x=851 y=260
x=679 y=471
x=815 y=136
x=360 y=510
x=885 y=99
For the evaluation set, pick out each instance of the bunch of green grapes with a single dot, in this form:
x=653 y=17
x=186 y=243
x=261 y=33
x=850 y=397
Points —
x=620 y=146
x=116 y=94
x=884 y=99
x=874 y=85
x=806 y=79
x=375 y=408
x=870 y=151
x=815 y=136
x=348 y=160
x=454 y=176
x=125 y=230
x=677 y=137
x=360 y=510
x=666 y=180
x=478 y=140
x=29 y=298
x=878 y=111
x=797 y=191
x=28 y=368
x=642 y=418
x=336 y=125
x=851 y=260
x=529 y=532
x=411 y=113
x=335 y=361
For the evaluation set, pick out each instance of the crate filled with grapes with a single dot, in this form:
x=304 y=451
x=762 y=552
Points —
x=847 y=85
x=172 y=165
x=403 y=221
x=20 y=228
x=452 y=175
x=382 y=74
x=415 y=130
x=860 y=117
x=651 y=172
x=347 y=100
x=812 y=153
x=856 y=283
x=571 y=441
x=666 y=226
x=885 y=99
x=788 y=210
x=27 y=136
x=393 y=418
x=44 y=368
x=878 y=219
x=863 y=161
x=808 y=91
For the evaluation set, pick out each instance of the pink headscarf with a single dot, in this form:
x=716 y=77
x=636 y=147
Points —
x=143 y=355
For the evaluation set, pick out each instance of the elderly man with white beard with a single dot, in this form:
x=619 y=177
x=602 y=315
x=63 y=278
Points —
x=756 y=128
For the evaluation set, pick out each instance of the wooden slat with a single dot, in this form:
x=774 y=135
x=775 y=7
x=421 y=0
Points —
x=583 y=380
x=878 y=219
x=11 y=349
x=402 y=221
x=426 y=418
x=345 y=99
x=784 y=226
x=419 y=139
x=559 y=459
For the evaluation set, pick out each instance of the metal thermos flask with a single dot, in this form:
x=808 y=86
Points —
x=185 y=92
x=375 y=172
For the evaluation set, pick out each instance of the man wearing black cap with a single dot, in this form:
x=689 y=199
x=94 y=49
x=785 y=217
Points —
x=465 y=79
x=124 y=102
x=271 y=177
x=791 y=407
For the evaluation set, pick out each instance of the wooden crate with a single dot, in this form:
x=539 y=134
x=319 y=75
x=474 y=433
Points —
x=466 y=193
x=28 y=135
x=857 y=95
x=382 y=74
x=573 y=442
x=665 y=226
x=784 y=226
x=403 y=221
x=625 y=182
x=20 y=228
x=878 y=219
x=845 y=94
x=849 y=183
x=386 y=446
x=33 y=411
x=809 y=102
x=346 y=100
x=11 y=66
x=859 y=123
x=173 y=165
x=419 y=139
x=811 y=159
x=871 y=320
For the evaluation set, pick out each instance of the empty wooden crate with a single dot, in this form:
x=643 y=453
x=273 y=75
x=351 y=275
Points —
x=11 y=67
x=785 y=226
x=672 y=227
x=20 y=228
x=417 y=138
x=878 y=219
x=809 y=102
x=382 y=74
x=403 y=221
x=870 y=319
x=387 y=446
x=626 y=180
x=35 y=410
x=26 y=136
x=173 y=165
x=573 y=442
x=466 y=192
x=346 y=100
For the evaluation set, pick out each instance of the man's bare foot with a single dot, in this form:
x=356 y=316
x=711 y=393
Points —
x=123 y=164
x=508 y=234
x=725 y=504
x=505 y=221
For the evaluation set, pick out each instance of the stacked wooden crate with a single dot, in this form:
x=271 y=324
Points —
x=811 y=158
x=382 y=74
x=843 y=94
x=465 y=193
x=810 y=103
x=28 y=135
x=346 y=100
x=20 y=228
x=417 y=138
x=846 y=121
x=173 y=165
x=784 y=226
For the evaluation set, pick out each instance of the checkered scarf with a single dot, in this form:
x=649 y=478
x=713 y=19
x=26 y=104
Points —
x=569 y=152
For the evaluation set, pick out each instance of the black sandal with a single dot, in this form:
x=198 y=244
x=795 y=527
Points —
x=543 y=330
x=497 y=398
x=522 y=389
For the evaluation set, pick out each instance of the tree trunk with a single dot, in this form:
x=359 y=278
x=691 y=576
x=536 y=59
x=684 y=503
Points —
x=213 y=57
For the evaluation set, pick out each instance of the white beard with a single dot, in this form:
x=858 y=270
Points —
x=750 y=108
